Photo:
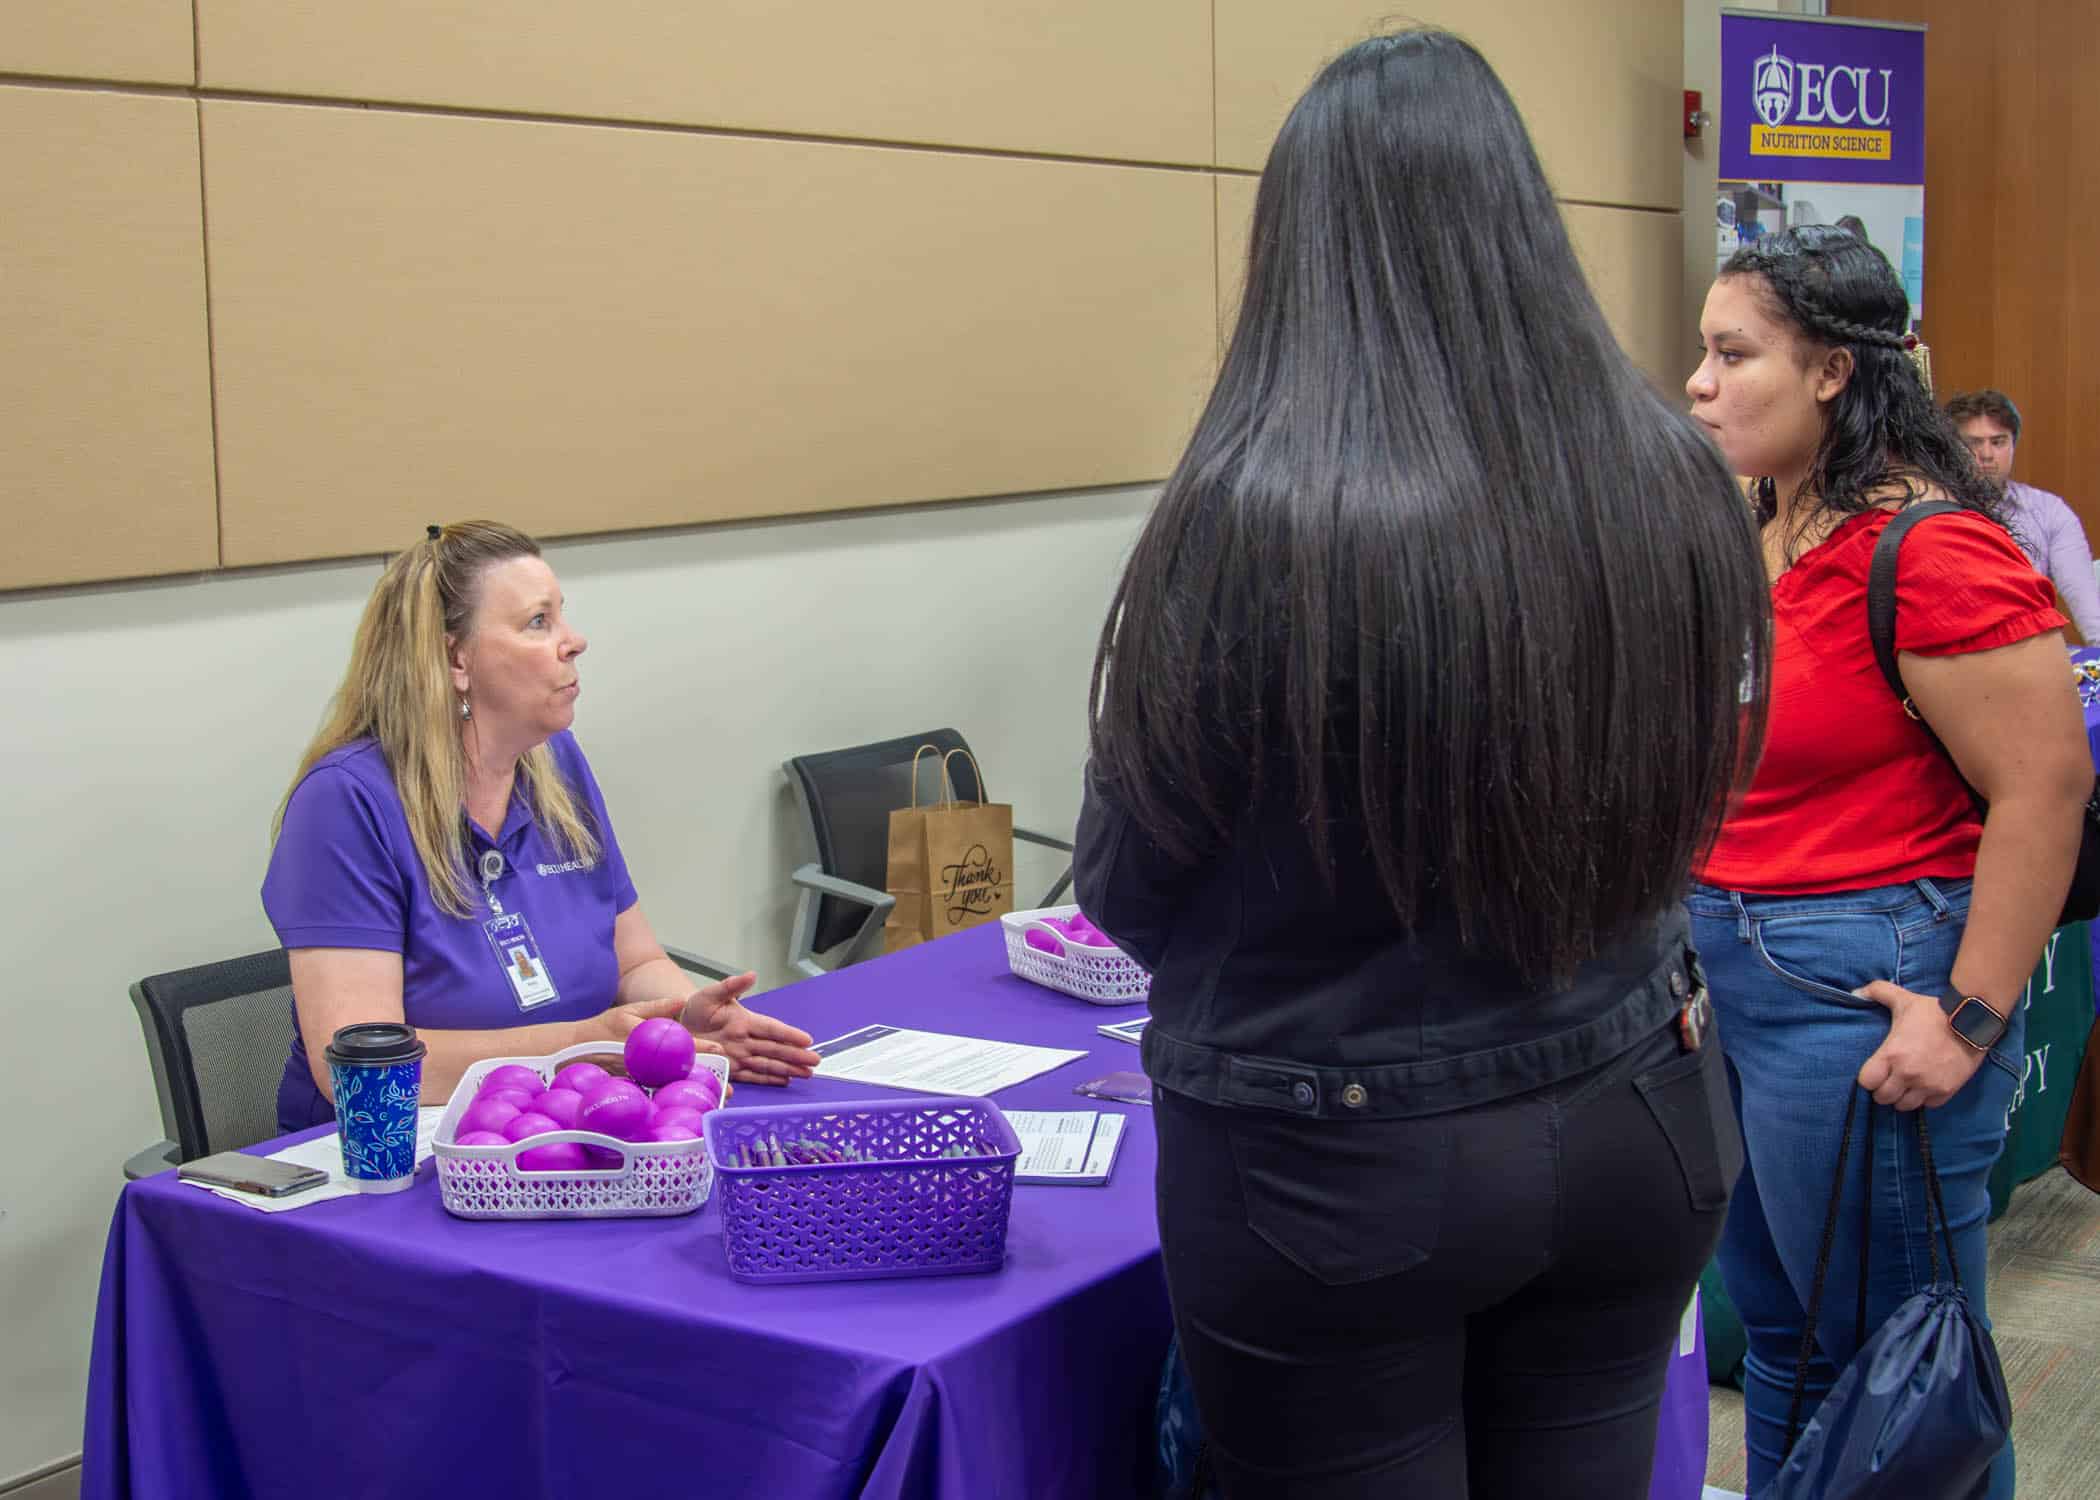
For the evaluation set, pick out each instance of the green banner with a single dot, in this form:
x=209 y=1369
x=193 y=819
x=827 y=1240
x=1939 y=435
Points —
x=2059 y=1005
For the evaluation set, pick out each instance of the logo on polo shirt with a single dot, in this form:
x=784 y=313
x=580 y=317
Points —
x=568 y=869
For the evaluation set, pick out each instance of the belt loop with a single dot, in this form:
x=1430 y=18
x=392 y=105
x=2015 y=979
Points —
x=1742 y=917
x=1941 y=911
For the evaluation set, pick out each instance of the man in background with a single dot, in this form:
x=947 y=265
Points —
x=2042 y=523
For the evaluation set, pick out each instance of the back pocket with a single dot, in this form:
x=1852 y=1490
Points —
x=1689 y=1098
x=1344 y=1202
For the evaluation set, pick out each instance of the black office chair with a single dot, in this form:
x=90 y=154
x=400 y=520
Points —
x=217 y=1036
x=847 y=797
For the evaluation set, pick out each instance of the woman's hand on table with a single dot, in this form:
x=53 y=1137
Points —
x=1921 y=1062
x=621 y=1019
x=760 y=1049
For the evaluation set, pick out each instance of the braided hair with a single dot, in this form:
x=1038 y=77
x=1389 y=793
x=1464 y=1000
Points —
x=1883 y=430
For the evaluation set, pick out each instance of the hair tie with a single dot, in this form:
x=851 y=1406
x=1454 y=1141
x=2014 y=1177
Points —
x=436 y=532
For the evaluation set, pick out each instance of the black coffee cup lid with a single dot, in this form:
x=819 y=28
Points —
x=373 y=1044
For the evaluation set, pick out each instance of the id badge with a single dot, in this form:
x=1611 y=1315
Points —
x=519 y=957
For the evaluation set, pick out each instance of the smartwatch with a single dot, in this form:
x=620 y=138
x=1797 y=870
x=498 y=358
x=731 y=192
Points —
x=1973 y=1019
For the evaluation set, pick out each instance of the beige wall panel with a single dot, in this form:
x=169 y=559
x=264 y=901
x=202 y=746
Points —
x=1599 y=81
x=1235 y=213
x=1634 y=259
x=1077 y=77
x=135 y=41
x=588 y=328
x=105 y=395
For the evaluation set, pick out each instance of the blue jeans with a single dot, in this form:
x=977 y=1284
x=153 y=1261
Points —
x=1782 y=970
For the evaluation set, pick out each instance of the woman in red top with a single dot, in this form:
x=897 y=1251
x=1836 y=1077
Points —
x=1854 y=902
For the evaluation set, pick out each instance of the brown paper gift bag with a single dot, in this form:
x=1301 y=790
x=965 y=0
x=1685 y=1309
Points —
x=951 y=863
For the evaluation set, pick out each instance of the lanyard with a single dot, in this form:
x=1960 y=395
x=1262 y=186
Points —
x=510 y=936
x=491 y=871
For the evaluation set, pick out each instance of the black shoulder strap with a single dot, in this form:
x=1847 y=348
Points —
x=1881 y=590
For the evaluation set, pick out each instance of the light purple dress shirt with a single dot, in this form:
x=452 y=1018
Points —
x=2049 y=531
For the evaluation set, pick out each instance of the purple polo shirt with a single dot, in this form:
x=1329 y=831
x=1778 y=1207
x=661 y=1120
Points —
x=345 y=874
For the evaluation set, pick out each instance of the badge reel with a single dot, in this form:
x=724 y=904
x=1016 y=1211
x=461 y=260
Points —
x=510 y=938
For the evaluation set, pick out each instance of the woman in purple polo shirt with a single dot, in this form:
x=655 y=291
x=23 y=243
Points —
x=444 y=855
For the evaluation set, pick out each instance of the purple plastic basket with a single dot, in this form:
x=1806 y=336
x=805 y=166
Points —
x=905 y=1210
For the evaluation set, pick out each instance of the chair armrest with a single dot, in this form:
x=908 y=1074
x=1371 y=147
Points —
x=697 y=963
x=1030 y=836
x=812 y=877
x=158 y=1157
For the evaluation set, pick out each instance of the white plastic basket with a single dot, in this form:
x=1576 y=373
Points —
x=653 y=1178
x=1101 y=976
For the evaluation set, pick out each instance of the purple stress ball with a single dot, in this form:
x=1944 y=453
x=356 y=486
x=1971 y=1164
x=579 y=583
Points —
x=527 y=1124
x=518 y=1097
x=671 y=1131
x=619 y=1109
x=1042 y=942
x=702 y=1090
x=482 y=1138
x=488 y=1114
x=685 y=1119
x=512 y=1076
x=582 y=1078
x=602 y=1157
x=562 y=1156
x=1080 y=930
x=659 y=1051
x=563 y=1106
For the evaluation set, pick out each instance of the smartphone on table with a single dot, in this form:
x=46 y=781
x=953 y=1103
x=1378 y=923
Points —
x=252 y=1174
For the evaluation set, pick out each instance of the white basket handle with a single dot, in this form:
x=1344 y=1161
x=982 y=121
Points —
x=1063 y=950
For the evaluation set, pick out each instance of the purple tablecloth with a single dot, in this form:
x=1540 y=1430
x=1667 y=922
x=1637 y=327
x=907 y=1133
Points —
x=379 y=1346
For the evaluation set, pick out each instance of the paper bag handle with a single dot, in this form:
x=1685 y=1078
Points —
x=947 y=786
x=929 y=749
x=982 y=795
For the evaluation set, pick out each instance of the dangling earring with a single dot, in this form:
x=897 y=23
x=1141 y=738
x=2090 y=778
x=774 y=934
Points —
x=464 y=711
x=1920 y=358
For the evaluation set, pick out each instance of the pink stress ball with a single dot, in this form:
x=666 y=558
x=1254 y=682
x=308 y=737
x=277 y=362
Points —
x=659 y=1051
x=563 y=1106
x=529 y=1124
x=1042 y=942
x=582 y=1078
x=562 y=1156
x=670 y=1131
x=512 y=1076
x=482 y=1138
x=488 y=1114
x=619 y=1109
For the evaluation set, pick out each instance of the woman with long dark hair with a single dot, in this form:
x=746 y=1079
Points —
x=1429 y=674
x=1859 y=919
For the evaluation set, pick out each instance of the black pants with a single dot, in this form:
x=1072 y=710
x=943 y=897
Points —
x=1482 y=1303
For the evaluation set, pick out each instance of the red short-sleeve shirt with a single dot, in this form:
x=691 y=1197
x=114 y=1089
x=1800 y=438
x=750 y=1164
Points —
x=1851 y=793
